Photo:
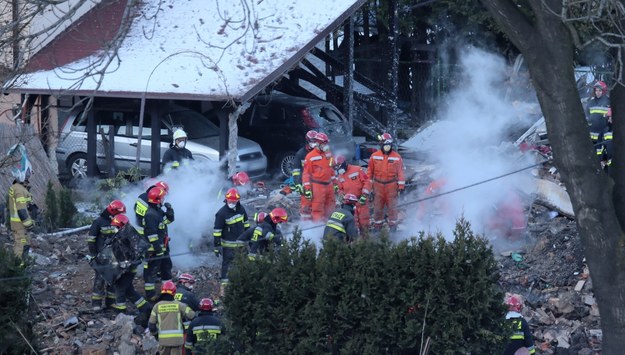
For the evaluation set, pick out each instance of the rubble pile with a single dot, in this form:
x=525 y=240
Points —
x=548 y=271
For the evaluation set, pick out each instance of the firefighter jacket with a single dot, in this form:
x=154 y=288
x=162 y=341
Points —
x=354 y=181
x=597 y=110
x=19 y=201
x=387 y=168
x=229 y=225
x=187 y=297
x=264 y=234
x=204 y=328
x=298 y=165
x=342 y=224
x=141 y=208
x=521 y=335
x=176 y=157
x=154 y=228
x=99 y=232
x=318 y=169
x=166 y=321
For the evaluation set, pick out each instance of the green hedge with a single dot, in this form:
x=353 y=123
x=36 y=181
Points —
x=367 y=298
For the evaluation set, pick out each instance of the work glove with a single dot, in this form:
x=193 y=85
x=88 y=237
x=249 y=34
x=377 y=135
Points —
x=169 y=211
x=89 y=257
x=299 y=188
x=308 y=194
x=363 y=199
x=217 y=251
x=30 y=227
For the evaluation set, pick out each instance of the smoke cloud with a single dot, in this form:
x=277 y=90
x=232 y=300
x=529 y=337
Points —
x=471 y=141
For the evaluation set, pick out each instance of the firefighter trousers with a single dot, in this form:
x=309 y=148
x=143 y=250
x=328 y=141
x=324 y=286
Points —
x=102 y=291
x=151 y=270
x=305 y=208
x=21 y=238
x=228 y=255
x=385 y=197
x=363 y=217
x=124 y=290
x=323 y=201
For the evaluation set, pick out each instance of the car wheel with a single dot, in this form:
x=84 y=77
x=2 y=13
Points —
x=78 y=166
x=285 y=163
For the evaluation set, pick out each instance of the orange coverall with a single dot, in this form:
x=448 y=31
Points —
x=355 y=181
x=318 y=177
x=387 y=176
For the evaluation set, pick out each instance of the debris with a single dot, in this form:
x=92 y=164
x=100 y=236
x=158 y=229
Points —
x=580 y=285
x=70 y=322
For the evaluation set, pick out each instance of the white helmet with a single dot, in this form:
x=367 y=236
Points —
x=179 y=133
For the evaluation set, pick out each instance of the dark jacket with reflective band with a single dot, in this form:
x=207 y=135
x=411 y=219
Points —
x=597 y=120
x=167 y=319
x=19 y=199
x=176 y=157
x=141 y=208
x=229 y=225
x=203 y=329
x=99 y=232
x=264 y=234
x=298 y=165
x=521 y=335
x=342 y=224
x=154 y=227
x=187 y=297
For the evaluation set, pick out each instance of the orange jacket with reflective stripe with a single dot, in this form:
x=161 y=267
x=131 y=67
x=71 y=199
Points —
x=318 y=168
x=386 y=168
x=354 y=181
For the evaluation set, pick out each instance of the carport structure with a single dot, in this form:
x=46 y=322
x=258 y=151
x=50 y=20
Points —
x=208 y=51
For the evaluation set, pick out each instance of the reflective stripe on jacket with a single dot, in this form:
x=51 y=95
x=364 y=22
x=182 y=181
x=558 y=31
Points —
x=168 y=317
x=19 y=199
x=386 y=168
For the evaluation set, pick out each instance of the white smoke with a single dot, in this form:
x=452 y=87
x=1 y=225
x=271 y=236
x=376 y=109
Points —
x=469 y=143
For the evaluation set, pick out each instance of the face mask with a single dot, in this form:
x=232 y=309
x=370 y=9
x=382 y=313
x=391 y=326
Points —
x=189 y=286
x=325 y=148
x=386 y=148
x=232 y=205
x=341 y=171
x=181 y=144
x=115 y=230
x=313 y=145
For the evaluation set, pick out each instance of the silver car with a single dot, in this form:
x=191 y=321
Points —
x=203 y=140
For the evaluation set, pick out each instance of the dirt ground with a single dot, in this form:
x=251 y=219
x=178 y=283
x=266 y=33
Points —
x=547 y=269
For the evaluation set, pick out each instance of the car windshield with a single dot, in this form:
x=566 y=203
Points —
x=329 y=120
x=193 y=123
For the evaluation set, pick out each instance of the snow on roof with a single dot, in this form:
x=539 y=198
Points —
x=197 y=49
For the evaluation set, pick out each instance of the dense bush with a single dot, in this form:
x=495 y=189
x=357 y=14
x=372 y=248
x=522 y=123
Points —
x=60 y=209
x=368 y=298
x=16 y=326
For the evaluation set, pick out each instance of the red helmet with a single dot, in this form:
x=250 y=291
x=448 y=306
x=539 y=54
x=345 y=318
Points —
x=321 y=138
x=260 y=216
x=601 y=85
x=206 y=304
x=120 y=221
x=116 y=207
x=163 y=185
x=156 y=195
x=514 y=303
x=232 y=195
x=241 y=178
x=385 y=138
x=350 y=199
x=310 y=135
x=186 y=278
x=168 y=287
x=279 y=215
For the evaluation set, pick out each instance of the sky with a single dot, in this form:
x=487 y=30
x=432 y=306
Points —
x=469 y=142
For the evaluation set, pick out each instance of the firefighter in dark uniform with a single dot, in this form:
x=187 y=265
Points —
x=100 y=230
x=128 y=248
x=177 y=154
x=298 y=166
x=184 y=291
x=342 y=224
x=204 y=329
x=267 y=233
x=521 y=337
x=230 y=222
x=154 y=230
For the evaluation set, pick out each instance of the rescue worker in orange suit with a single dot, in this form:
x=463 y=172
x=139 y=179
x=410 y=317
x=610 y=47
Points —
x=166 y=321
x=521 y=337
x=101 y=229
x=352 y=179
x=267 y=233
x=386 y=171
x=597 y=115
x=319 y=179
x=128 y=257
x=155 y=231
x=298 y=165
x=20 y=210
x=203 y=330
x=342 y=224
x=230 y=222
x=433 y=206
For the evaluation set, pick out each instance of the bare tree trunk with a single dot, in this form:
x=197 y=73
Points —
x=546 y=43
